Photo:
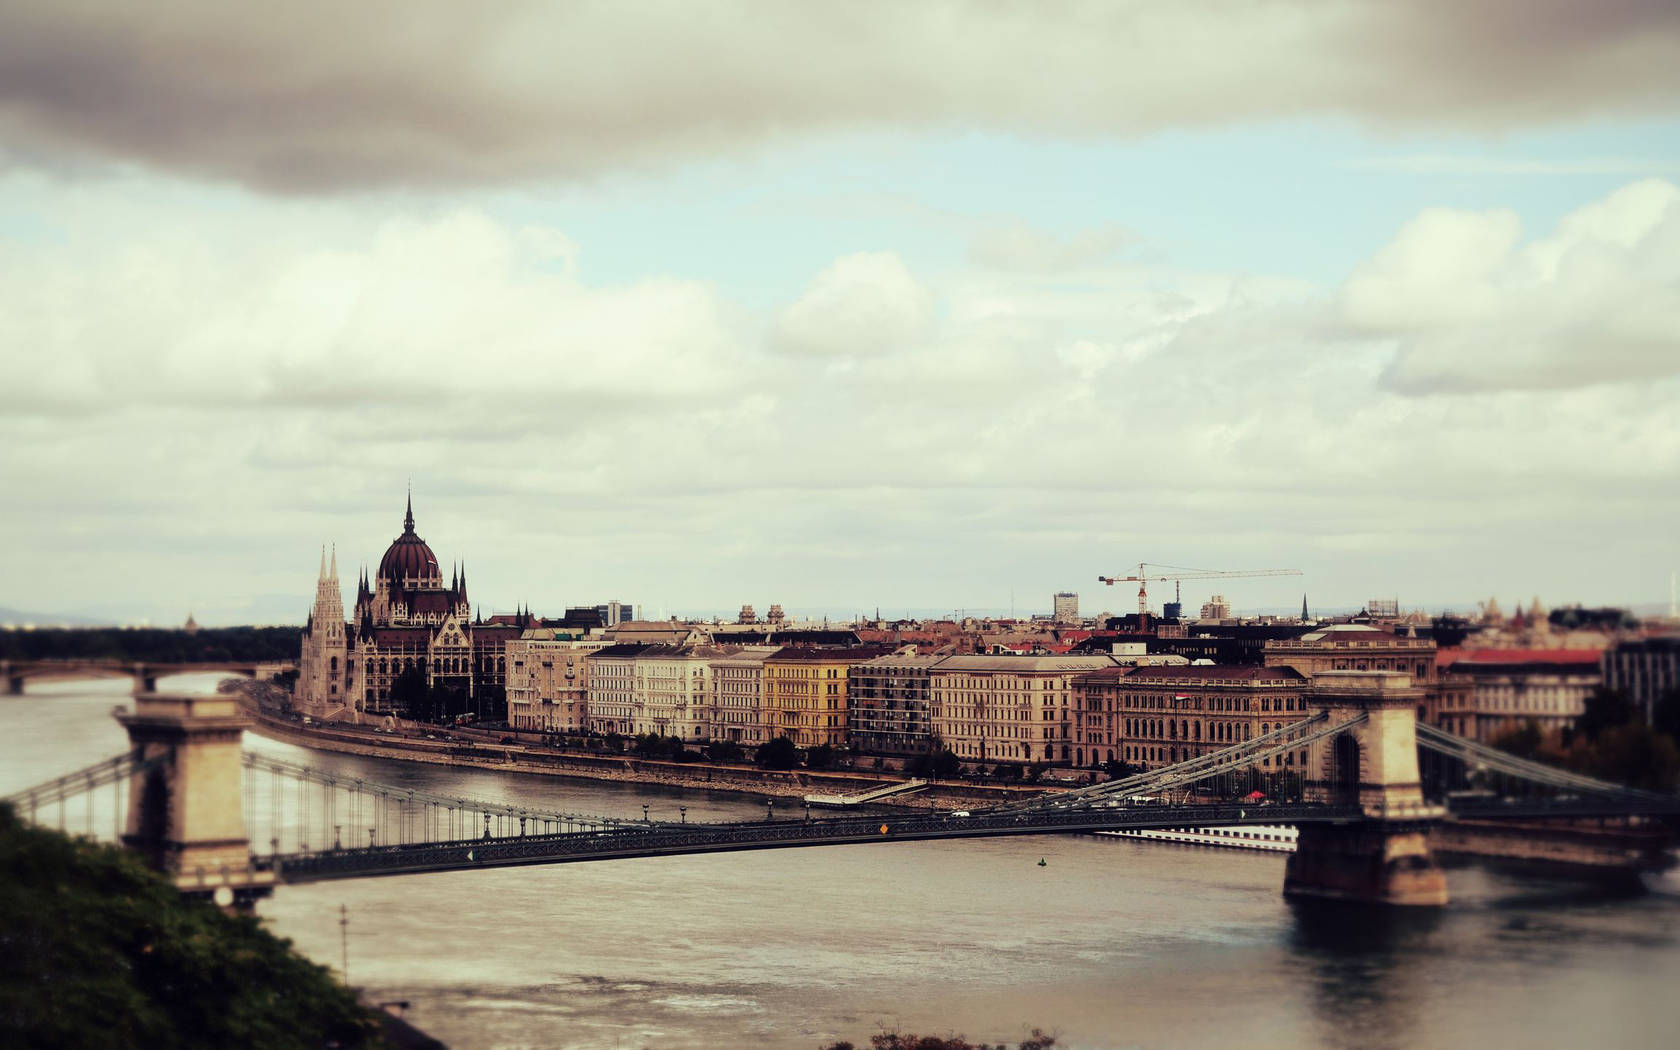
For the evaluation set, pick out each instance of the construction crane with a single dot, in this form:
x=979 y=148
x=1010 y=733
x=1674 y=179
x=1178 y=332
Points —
x=1143 y=578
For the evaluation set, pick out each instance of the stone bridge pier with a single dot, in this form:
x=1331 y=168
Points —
x=186 y=810
x=1383 y=857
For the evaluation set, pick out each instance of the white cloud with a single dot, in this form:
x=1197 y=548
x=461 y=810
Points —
x=401 y=310
x=1471 y=307
x=270 y=381
x=863 y=305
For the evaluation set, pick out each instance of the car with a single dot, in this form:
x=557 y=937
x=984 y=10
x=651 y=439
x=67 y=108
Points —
x=961 y=813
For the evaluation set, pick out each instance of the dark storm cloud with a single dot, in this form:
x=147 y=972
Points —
x=317 y=98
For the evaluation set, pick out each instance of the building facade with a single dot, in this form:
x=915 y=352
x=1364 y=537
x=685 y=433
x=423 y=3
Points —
x=1354 y=647
x=1644 y=669
x=738 y=713
x=891 y=701
x=1157 y=716
x=1011 y=709
x=610 y=684
x=548 y=681
x=410 y=646
x=1512 y=687
x=805 y=695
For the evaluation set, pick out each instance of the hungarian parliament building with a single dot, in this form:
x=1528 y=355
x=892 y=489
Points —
x=405 y=618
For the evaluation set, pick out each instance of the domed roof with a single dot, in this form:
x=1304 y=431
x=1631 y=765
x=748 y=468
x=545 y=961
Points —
x=408 y=557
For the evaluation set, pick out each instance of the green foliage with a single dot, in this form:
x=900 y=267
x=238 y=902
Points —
x=779 y=753
x=1630 y=753
x=1605 y=709
x=1120 y=770
x=1523 y=741
x=899 y=1041
x=946 y=764
x=1665 y=714
x=97 y=951
x=409 y=692
x=149 y=644
x=724 y=751
x=820 y=757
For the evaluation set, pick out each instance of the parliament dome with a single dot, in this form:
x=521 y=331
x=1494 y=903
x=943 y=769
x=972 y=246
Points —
x=408 y=557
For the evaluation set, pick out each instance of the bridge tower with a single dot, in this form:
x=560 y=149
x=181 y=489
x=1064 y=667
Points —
x=186 y=811
x=1382 y=857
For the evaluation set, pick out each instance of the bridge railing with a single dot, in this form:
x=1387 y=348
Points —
x=672 y=839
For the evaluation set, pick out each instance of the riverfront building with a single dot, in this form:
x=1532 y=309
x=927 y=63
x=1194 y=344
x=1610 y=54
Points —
x=548 y=680
x=890 y=702
x=737 y=707
x=1509 y=688
x=1014 y=709
x=1644 y=669
x=405 y=622
x=805 y=693
x=1156 y=716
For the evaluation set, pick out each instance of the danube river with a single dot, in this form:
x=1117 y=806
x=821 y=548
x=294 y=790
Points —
x=1110 y=943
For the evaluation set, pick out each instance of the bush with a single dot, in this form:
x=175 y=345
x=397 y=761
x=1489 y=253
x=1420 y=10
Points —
x=777 y=754
x=101 y=952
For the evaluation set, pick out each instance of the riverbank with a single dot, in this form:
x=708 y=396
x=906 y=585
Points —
x=792 y=784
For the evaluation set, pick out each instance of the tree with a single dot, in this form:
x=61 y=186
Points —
x=1605 y=709
x=1665 y=713
x=102 y=952
x=408 y=692
x=820 y=757
x=1523 y=741
x=946 y=764
x=779 y=753
x=723 y=751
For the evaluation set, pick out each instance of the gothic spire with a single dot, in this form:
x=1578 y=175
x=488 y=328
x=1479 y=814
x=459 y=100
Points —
x=335 y=563
x=323 y=574
x=1303 y=606
x=408 y=516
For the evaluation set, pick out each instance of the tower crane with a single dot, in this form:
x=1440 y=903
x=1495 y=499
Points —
x=1143 y=578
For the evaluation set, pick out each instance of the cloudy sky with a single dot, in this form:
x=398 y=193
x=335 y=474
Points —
x=927 y=306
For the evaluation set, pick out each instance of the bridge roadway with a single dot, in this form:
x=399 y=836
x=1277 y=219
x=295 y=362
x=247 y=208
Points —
x=667 y=839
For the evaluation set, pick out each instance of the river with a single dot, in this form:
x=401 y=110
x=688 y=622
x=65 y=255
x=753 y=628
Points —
x=1110 y=943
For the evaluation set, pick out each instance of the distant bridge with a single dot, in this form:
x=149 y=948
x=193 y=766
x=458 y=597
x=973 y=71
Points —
x=238 y=823
x=145 y=673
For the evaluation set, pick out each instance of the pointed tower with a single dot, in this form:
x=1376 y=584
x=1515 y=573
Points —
x=1304 y=608
x=323 y=667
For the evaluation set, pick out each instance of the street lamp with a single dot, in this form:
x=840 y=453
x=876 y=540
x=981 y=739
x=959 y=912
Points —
x=807 y=811
x=644 y=812
x=684 y=811
x=769 y=809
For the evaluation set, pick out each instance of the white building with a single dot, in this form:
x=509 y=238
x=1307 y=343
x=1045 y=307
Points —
x=1066 y=607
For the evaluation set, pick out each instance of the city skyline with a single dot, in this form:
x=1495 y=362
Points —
x=760 y=308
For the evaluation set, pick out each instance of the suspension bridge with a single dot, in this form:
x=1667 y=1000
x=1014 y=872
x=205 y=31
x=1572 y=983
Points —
x=233 y=824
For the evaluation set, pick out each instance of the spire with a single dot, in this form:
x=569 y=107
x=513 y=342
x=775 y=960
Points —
x=335 y=563
x=323 y=573
x=408 y=516
x=1303 y=606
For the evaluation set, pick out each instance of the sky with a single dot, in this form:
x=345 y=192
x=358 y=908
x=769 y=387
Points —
x=928 y=306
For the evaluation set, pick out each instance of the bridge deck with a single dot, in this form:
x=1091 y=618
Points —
x=670 y=840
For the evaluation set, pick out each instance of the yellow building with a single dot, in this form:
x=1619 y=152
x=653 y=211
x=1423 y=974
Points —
x=805 y=694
